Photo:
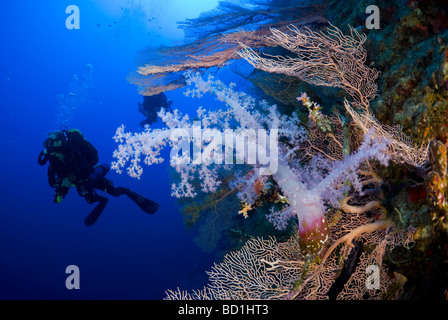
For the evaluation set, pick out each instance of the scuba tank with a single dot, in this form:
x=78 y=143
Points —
x=98 y=173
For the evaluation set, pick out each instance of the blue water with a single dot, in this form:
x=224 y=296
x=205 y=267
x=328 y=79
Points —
x=127 y=254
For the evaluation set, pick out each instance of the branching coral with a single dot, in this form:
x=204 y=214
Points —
x=307 y=265
x=216 y=35
x=324 y=59
x=267 y=269
x=336 y=60
x=233 y=15
x=306 y=198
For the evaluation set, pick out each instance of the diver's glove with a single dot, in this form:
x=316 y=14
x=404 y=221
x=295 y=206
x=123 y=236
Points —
x=60 y=194
x=57 y=198
x=61 y=189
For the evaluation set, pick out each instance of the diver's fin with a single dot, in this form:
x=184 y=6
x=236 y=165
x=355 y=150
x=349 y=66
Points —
x=146 y=205
x=95 y=214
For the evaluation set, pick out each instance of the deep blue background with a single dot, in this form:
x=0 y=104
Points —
x=127 y=254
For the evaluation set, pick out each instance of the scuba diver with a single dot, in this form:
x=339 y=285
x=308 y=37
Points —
x=151 y=105
x=73 y=162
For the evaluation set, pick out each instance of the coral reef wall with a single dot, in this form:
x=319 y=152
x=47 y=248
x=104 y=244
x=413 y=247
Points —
x=411 y=52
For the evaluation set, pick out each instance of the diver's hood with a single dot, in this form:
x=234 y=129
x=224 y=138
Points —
x=55 y=140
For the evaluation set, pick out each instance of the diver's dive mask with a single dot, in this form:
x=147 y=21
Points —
x=56 y=140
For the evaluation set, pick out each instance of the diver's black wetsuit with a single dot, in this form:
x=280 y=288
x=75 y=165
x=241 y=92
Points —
x=151 y=105
x=71 y=159
x=71 y=163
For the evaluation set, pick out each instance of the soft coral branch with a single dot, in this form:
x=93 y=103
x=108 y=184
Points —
x=306 y=201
